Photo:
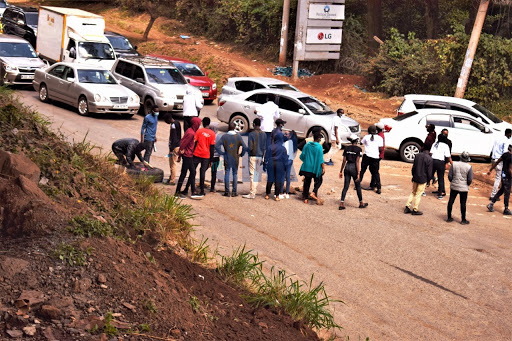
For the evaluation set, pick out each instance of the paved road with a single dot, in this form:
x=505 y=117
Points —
x=401 y=277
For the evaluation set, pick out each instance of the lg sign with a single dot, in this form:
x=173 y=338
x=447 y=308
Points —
x=325 y=36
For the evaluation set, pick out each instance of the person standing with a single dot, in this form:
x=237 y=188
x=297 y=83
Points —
x=215 y=161
x=229 y=147
x=148 y=132
x=192 y=105
x=174 y=146
x=350 y=168
x=506 y=179
x=431 y=136
x=187 y=146
x=441 y=156
x=421 y=174
x=126 y=150
x=275 y=160
x=313 y=167
x=278 y=130
x=268 y=113
x=500 y=146
x=373 y=145
x=448 y=141
x=291 y=150
x=203 y=152
x=460 y=176
x=257 y=143
x=335 y=137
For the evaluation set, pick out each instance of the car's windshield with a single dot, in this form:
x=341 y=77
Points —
x=3 y=4
x=316 y=107
x=120 y=43
x=189 y=69
x=487 y=113
x=96 y=77
x=283 y=87
x=165 y=76
x=17 y=50
x=31 y=18
x=91 y=50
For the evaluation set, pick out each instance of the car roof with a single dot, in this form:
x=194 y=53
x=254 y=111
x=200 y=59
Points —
x=81 y=66
x=264 y=80
x=110 y=33
x=148 y=61
x=448 y=99
x=8 y=38
x=172 y=59
x=289 y=93
x=24 y=8
x=428 y=111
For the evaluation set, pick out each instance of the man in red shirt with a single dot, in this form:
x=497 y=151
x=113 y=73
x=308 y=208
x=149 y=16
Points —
x=203 y=153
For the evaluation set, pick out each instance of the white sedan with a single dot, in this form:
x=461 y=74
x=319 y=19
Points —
x=406 y=132
x=88 y=88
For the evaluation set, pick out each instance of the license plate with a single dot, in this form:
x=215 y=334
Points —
x=27 y=76
x=205 y=94
x=120 y=106
x=179 y=106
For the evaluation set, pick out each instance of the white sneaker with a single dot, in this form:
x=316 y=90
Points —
x=281 y=196
x=248 y=196
x=287 y=196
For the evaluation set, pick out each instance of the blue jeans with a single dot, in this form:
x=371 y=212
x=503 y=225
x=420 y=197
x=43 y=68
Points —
x=227 y=170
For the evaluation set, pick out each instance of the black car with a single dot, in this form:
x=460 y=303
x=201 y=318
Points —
x=121 y=44
x=22 y=22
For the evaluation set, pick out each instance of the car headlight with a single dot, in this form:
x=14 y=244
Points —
x=10 y=67
x=97 y=98
x=214 y=86
x=135 y=99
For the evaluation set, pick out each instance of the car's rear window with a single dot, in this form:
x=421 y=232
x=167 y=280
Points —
x=31 y=18
x=404 y=116
x=487 y=113
x=282 y=87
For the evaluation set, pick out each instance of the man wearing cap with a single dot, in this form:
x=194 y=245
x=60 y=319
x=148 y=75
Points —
x=335 y=137
x=500 y=146
x=460 y=176
x=506 y=179
x=278 y=130
x=268 y=112
x=421 y=174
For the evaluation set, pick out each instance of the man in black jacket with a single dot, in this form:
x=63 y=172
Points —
x=126 y=150
x=174 y=146
x=421 y=174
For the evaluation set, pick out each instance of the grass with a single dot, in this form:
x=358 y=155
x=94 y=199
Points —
x=240 y=267
x=109 y=329
x=85 y=226
x=150 y=306
x=195 y=304
x=72 y=255
x=199 y=251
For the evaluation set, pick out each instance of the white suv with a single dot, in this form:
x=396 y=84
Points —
x=239 y=85
x=155 y=80
x=413 y=102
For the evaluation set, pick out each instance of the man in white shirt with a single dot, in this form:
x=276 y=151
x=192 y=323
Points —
x=373 y=144
x=268 y=113
x=500 y=147
x=440 y=152
x=192 y=105
x=335 y=137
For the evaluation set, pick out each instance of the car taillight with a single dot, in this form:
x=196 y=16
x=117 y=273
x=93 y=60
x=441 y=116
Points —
x=221 y=103
x=387 y=128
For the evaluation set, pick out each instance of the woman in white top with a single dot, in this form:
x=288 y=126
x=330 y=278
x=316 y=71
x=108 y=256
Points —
x=291 y=150
x=441 y=155
x=373 y=144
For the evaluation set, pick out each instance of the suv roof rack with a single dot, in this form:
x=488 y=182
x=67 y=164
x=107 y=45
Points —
x=151 y=61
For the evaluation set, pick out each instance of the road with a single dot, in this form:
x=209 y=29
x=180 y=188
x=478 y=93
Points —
x=401 y=277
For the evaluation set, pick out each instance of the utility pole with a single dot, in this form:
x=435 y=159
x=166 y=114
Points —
x=470 y=53
x=284 y=33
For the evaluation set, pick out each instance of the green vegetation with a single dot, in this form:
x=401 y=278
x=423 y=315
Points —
x=109 y=329
x=72 y=255
x=85 y=226
x=241 y=267
x=195 y=304
x=150 y=306
x=199 y=251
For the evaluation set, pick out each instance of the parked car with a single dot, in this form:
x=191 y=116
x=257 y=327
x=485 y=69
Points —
x=238 y=85
x=195 y=76
x=19 y=60
x=3 y=5
x=121 y=44
x=414 y=102
x=87 y=87
x=155 y=80
x=301 y=112
x=406 y=132
x=22 y=22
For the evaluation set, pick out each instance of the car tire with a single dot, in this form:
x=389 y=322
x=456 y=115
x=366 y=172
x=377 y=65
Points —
x=326 y=146
x=156 y=173
x=241 y=123
x=83 y=106
x=127 y=116
x=409 y=150
x=43 y=93
x=148 y=104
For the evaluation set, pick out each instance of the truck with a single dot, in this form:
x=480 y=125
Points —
x=73 y=35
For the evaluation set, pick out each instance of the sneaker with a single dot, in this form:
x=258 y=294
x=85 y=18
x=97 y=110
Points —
x=226 y=194
x=330 y=163
x=287 y=196
x=490 y=198
x=342 y=206
x=423 y=194
x=378 y=191
x=248 y=196
x=369 y=188
x=440 y=197
x=197 y=196
x=407 y=210
x=181 y=196
x=212 y=190
x=281 y=197
x=234 y=194
x=507 y=212
x=363 y=205
x=490 y=207
x=464 y=222
x=417 y=213
x=449 y=220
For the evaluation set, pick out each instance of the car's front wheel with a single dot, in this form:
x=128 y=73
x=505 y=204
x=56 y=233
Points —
x=148 y=105
x=43 y=93
x=83 y=106
x=326 y=146
x=409 y=150
x=241 y=123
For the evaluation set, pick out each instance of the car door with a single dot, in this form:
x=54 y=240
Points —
x=67 y=88
x=470 y=135
x=124 y=73
x=289 y=110
x=52 y=80
x=253 y=102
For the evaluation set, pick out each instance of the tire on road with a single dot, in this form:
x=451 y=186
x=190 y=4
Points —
x=208 y=101
x=43 y=93
x=127 y=116
x=148 y=105
x=241 y=123
x=326 y=146
x=408 y=151
x=156 y=173
x=83 y=106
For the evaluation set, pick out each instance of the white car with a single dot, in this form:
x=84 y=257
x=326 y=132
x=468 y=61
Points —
x=239 y=85
x=405 y=133
x=414 y=102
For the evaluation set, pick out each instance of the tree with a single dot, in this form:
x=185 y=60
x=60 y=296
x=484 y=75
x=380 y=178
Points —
x=431 y=18
x=155 y=9
x=374 y=23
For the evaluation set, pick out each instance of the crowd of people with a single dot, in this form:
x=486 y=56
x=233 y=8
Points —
x=272 y=151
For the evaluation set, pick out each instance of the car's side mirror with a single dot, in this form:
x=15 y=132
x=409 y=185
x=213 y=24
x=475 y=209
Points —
x=72 y=54
x=302 y=111
x=188 y=81
x=70 y=79
x=140 y=80
x=135 y=47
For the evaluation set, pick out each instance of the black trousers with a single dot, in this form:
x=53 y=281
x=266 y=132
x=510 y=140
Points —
x=504 y=189
x=215 y=166
x=463 y=200
x=439 y=168
x=187 y=166
x=120 y=155
x=148 y=146
x=202 y=171
x=350 y=173
x=374 y=165
x=308 y=177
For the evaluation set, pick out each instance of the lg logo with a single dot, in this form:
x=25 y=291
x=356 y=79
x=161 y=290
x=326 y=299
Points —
x=322 y=36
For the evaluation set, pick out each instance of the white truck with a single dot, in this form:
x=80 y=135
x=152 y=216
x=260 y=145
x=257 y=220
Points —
x=73 y=35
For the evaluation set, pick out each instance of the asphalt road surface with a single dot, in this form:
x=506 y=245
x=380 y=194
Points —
x=401 y=277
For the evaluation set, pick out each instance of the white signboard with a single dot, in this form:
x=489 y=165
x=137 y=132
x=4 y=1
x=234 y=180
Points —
x=330 y=12
x=323 y=36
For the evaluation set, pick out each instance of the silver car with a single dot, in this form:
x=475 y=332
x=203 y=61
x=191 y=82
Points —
x=19 y=60
x=88 y=88
x=238 y=85
x=301 y=112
